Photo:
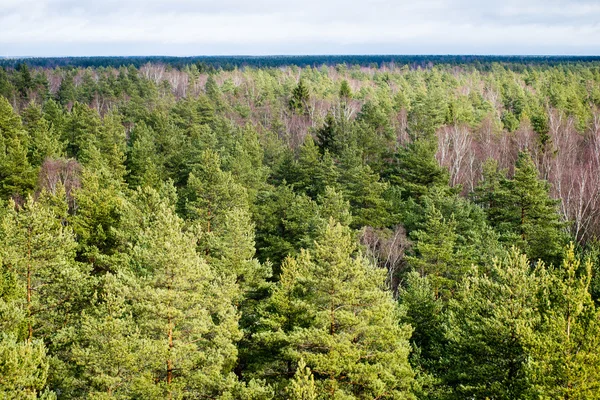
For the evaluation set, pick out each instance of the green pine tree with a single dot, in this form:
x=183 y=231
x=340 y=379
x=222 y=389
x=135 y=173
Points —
x=330 y=309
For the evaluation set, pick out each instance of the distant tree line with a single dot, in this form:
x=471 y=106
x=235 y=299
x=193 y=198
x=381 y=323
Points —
x=228 y=63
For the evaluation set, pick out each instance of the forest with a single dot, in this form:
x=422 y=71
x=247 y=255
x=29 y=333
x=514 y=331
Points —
x=331 y=230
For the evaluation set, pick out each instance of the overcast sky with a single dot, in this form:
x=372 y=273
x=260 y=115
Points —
x=258 y=27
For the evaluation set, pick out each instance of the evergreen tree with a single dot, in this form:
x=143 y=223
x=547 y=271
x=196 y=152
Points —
x=44 y=140
x=314 y=172
x=488 y=329
x=211 y=192
x=183 y=309
x=108 y=354
x=565 y=363
x=327 y=135
x=331 y=310
x=17 y=176
x=523 y=213
x=415 y=170
x=365 y=192
x=424 y=312
x=24 y=369
x=66 y=93
x=436 y=254
x=39 y=251
x=299 y=98
x=285 y=223
x=302 y=386
x=143 y=161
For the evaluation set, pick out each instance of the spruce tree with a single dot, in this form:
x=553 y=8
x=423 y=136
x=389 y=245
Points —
x=522 y=211
x=299 y=98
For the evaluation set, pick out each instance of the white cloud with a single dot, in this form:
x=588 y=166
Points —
x=47 y=27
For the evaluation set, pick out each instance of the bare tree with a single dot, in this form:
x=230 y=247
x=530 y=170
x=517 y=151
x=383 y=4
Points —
x=386 y=248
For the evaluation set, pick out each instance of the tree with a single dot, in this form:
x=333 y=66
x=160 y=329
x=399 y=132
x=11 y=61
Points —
x=144 y=166
x=565 y=363
x=299 y=98
x=211 y=192
x=314 y=172
x=24 y=369
x=183 y=309
x=23 y=79
x=488 y=328
x=415 y=169
x=330 y=309
x=108 y=353
x=327 y=135
x=302 y=386
x=345 y=91
x=285 y=223
x=66 y=93
x=365 y=193
x=40 y=252
x=44 y=140
x=17 y=176
x=523 y=213
x=435 y=253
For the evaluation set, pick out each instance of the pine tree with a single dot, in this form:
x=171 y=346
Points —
x=100 y=205
x=302 y=386
x=108 y=353
x=17 y=176
x=365 y=192
x=183 y=309
x=314 y=171
x=331 y=310
x=285 y=223
x=39 y=251
x=23 y=368
x=66 y=93
x=44 y=140
x=424 y=312
x=565 y=363
x=23 y=80
x=80 y=131
x=345 y=90
x=415 y=170
x=327 y=135
x=144 y=165
x=211 y=192
x=488 y=328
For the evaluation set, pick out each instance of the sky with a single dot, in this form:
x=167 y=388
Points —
x=268 y=27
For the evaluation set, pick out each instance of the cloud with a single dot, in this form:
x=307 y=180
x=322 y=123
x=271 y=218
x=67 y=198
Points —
x=187 y=27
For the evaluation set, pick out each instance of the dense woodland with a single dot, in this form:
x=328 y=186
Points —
x=333 y=232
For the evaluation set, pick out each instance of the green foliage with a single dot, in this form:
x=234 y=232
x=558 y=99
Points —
x=330 y=310
x=299 y=98
x=17 y=175
x=522 y=211
x=24 y=369
x=40 y=252
x=489 y=325
x=436 y=253
x=183 y=309
x=565 y=362
x=164 y=228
